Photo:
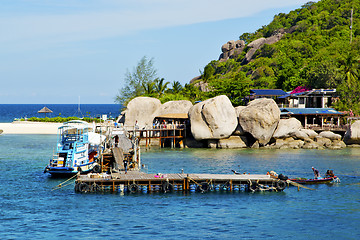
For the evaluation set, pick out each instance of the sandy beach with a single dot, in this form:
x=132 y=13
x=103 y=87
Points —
x=24 y=127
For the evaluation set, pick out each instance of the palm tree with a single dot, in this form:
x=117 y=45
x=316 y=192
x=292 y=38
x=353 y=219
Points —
x=149 y=88
x=176 y=87
x=160 y=86
x=351 y=66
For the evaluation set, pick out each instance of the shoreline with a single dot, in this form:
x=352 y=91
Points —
x=25 y=127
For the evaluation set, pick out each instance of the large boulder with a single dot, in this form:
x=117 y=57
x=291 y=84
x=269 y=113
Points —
x=325 y=142
x=143 y=110
x=311 y=133
x=330 y=135
x=258 y=43
x=232 y=142
x=214 y=118
x=260 y=118
x=284 y=143
x=300 y=135
x=231 y=49
x=352 y=135
x=239 y=131
x=181 y=106
x=311 y=144
x=337 y=144
x=287 y=128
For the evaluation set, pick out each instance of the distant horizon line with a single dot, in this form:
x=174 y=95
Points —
x=57 y=103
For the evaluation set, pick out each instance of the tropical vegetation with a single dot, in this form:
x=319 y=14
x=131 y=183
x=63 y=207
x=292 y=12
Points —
x=60 y=119
x=322 y=51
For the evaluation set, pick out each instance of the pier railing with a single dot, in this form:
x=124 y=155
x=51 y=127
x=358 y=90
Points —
x=171 y=135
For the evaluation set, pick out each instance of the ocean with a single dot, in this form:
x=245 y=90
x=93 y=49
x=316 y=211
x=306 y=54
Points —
x=31 y=209
x=8 y=112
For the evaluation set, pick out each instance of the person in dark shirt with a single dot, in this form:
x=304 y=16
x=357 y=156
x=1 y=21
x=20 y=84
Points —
x=125 y=165
x=316 y=173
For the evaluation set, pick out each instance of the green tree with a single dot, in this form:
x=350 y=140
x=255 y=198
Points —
x=160 y=86
x=236 y=88
x=176 y=87
x=208 y=72
x=149 y=88
x=142 y=74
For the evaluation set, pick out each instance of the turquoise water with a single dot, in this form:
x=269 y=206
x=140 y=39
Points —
x=31 y=210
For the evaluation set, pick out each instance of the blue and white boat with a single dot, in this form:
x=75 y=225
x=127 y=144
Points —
x=77 y=150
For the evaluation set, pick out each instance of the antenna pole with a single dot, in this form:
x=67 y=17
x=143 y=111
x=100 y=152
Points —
x=351 y=23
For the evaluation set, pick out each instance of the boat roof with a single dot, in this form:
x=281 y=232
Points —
x=75 y=124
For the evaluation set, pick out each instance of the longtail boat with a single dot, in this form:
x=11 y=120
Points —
x=314 y=181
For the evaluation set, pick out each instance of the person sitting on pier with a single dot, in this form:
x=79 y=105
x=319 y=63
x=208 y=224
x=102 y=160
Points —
x=316 y=173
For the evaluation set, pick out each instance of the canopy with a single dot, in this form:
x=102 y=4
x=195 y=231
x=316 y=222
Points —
x=174 y=116
x=45 y=110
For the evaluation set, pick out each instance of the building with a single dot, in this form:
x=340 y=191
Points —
x=315 y=98
x=316 y=118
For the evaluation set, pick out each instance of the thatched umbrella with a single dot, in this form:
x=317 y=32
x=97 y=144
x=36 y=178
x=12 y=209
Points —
x=45 y=110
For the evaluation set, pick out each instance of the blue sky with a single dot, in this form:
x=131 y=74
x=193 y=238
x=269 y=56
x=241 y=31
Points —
x=53 y=51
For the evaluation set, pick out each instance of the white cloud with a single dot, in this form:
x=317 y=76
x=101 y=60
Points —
x=116 y=18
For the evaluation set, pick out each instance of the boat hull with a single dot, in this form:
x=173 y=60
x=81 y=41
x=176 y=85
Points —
x=313 y=181
x=69 y=171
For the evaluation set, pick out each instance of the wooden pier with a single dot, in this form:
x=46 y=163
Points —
x=140 y=182
x=167 y=137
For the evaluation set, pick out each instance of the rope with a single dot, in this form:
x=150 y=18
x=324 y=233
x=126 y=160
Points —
x=193 y=181
x=61 y=184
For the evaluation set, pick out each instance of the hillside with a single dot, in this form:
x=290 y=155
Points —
x=316 y=46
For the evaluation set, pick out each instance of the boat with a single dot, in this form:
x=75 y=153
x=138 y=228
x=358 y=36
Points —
x=77 y=150
x=329 y=178
x=313 y=180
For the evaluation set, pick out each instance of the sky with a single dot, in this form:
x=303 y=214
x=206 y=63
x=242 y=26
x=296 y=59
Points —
x=60 y=51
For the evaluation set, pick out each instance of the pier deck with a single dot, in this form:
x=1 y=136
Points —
x=136 y=181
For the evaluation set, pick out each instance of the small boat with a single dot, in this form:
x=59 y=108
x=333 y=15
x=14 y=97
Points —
x=314 y=181
x=76 y=151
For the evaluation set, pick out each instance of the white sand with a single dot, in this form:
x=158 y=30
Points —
x=23 y=127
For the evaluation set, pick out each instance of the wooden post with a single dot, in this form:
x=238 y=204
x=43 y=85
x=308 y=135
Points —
x=146 y=138
x=174 y=137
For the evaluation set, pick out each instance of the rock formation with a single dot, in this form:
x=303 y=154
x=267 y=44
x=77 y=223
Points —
x=181 y=106
x=214 y=118
x=352 y=135
x=231 y=49
x=287 y=128
x=141 y=109
x=260 y=118
x=258 y=43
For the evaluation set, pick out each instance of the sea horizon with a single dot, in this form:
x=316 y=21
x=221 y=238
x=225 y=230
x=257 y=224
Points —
x=11 y=111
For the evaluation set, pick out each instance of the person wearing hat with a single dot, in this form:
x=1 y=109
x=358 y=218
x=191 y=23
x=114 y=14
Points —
x=316 y=173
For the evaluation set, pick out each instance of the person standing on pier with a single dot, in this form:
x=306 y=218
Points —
x=125 y=165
